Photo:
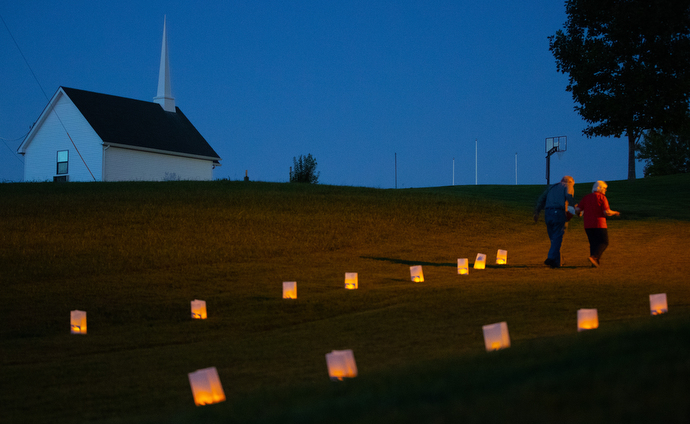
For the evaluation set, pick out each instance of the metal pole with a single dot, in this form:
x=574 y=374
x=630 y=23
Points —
x=548 y=164
x=453 y=171
x=516 y=168
x=548 y=170
x=475 y=162
x=396 y=170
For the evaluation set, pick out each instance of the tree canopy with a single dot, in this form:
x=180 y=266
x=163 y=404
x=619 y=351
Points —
x=305 y=170
x=628 y=63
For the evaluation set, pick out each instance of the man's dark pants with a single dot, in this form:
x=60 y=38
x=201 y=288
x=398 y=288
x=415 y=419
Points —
x=555 y=227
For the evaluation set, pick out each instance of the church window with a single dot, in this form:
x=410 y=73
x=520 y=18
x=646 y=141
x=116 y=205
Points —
x=62 y=161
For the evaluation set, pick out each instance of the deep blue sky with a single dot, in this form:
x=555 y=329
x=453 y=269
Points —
x=353 y=83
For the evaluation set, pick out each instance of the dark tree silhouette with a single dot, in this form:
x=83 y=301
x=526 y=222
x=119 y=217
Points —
x=628 y=63
x=665 y=153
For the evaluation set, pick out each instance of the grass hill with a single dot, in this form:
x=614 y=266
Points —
x=133 y=256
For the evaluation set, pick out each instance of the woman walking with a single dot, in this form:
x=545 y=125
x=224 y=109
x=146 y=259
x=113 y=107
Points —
x=595 y=209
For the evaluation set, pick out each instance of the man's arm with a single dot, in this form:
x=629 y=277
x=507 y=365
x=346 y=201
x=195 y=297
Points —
x=570 y=199
x=541 y=202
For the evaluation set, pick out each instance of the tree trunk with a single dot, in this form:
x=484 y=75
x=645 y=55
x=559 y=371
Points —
x=632 y=137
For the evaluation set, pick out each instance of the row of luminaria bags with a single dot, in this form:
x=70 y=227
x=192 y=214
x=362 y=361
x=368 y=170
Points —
x=205 y=383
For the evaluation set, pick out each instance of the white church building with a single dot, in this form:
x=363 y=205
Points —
x=87 y=136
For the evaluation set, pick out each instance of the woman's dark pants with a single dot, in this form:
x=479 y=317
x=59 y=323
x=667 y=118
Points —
x=598 y=241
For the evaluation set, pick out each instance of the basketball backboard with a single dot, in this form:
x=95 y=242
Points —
x=560 y=144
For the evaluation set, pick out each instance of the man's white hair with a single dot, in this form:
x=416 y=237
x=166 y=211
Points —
x=599 y=187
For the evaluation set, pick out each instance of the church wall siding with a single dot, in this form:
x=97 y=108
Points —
x=133 y=165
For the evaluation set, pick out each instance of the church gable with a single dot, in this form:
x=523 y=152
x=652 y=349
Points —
x=49 y=150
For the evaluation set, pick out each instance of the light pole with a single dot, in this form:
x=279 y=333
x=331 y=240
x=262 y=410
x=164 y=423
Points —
x=396 y=170
x=475 y=162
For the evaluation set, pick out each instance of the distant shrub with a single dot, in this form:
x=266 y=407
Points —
x=304 y=170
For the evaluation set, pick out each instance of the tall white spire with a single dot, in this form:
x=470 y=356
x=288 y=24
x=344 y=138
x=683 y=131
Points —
x=164 y=96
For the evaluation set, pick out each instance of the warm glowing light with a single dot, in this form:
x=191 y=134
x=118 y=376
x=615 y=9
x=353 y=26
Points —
x=463 y=266
x=658 y=304
x=341 y=364
x=480 y=262
x=416 y=274
x=78 y=322
x=206 y=387
x=198 y=309
x=496 y=336
x=501 y=257
x=289 y=290
x=587 y=319
x=351 y=280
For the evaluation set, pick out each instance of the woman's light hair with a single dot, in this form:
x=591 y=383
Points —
x=599 y=187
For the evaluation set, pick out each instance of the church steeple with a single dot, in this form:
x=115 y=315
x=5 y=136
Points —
x=164 y=96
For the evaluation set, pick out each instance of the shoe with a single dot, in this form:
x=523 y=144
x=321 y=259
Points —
x=551 y=263
x=594 y=261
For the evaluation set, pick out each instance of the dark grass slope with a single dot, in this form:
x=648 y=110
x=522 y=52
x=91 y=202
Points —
x=633 y=372
x=133 y=255
x=666 y=197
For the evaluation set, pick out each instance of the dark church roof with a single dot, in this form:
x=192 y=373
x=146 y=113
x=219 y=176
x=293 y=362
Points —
x=140 y=124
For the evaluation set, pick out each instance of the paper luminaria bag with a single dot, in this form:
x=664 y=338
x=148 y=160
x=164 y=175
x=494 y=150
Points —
x=199 y=309
x=480 y=262
x=351 y=280
x=289 y=290
x=501 y=257
x=341 y=364
x=417 y=274
x=463 y=266
x=206 y=387
x=496 y=336
x=658 y=304
x=77 y=322
x=587 y=319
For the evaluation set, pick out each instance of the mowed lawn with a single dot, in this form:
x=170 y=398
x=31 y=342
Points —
x=134 y=255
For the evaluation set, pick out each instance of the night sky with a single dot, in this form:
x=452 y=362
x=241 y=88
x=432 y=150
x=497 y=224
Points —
x=356 y=84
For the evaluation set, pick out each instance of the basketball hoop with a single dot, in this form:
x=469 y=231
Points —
x=560 y=154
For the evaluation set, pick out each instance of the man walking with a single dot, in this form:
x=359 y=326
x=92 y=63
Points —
x=555 y=200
